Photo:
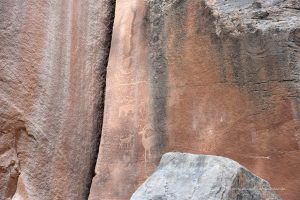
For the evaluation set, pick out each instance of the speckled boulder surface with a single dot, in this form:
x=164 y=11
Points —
x=202 y=177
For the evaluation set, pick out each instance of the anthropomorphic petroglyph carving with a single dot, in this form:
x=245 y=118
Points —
x=150 y=141
x=126 y=142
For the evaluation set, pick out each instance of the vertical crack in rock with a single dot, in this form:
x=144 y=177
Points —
x=105 y=43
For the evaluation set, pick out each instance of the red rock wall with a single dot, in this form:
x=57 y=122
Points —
x=53 y=58
x=181 y=79
x=212 y=77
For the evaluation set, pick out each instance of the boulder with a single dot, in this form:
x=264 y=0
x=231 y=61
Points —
x=202 y=177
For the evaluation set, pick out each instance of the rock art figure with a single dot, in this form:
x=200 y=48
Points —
x=126 y=142
x=150 y=141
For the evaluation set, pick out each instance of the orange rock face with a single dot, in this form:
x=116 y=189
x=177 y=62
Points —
x=53 y=58
x=199 y=76
x=202 y=77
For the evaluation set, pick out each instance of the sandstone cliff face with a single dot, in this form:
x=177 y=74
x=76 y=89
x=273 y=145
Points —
x=53 y=58
x=200 y=76
x=212 y=77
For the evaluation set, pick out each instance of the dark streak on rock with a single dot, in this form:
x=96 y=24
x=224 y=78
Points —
x=180 y=14
x=254 y=57
x=157 y=66
x=204 y=23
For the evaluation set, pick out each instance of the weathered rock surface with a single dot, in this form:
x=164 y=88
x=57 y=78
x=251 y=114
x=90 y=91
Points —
x=202 y=76
x=53 y=57
x=202 y=177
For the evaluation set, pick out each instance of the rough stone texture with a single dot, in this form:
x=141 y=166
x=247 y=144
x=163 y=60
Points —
x=53 y=57
x=210 y=77
x=202 y=177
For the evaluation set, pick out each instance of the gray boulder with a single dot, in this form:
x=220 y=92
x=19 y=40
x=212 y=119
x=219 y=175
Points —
x=182 y=176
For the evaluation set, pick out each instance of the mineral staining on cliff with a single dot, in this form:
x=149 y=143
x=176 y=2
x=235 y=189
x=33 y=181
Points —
x=212 y=77
x=209 y=76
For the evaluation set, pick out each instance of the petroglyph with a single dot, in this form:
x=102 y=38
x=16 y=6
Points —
x=150 y=141
x=126 y=142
